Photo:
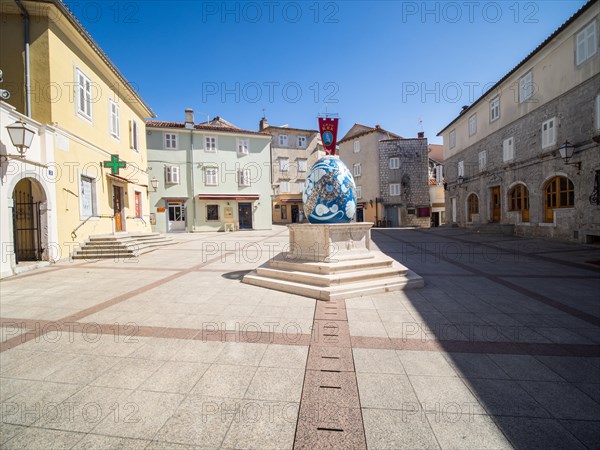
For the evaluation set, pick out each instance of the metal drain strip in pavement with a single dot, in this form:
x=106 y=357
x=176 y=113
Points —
x=330 y=415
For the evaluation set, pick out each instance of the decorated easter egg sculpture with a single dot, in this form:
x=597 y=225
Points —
x=329 y=192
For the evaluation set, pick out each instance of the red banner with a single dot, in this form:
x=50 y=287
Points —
x=328 y=129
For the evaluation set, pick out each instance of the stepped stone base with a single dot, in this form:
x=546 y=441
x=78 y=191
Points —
x=333 y=261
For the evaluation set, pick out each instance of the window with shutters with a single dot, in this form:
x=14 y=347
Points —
x=356 y=146
x=473 y=125
x=210 y=144
x=508 y=149
x=84 y=95
x=244 y=177
x=394 y=163
x=171 y=175
x=243 y=146
x=211 y=176
x=283 y=140
x=170 y=141
x=586 y=43
x=301 y=141
x=284 y=164
x=482 y=160
x=302 y=165
x=357 y=170
x=115 y=130
x=525 y=87
x=358 y=191
x=452 y=139
x=495 y=109
x=134 y=137
x=395 y=189
x=461 y=169
x=284 y=187
x=549 y=133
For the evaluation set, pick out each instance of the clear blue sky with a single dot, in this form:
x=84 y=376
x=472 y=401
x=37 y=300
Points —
x=367 y=61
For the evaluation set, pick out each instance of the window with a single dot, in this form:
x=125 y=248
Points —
x=395 y=189
x=212 y=212
x=549 y=133
x=171 y=175
x=473 y=125
x=356 y=146
x=560 y=193
x=587 y=43
x=508 y=149
x=283 y=140
x=518 y=198
x=283 y=212
x=452 y=139
x=284 y=187
x=495 y=109
x=170 y=141
x=84 y=95
x=597 y=112
x=284 y=164
x=439 y=174
x=87 y=198
x=134 y=138
x=482 y=160
x=243 y=146
x=138 y=203
x=211 y=176
x=357 y=169
x=301 y=141
x=244 y=177
x=115 y=129
x=394 y=163
x=358 y=191
x=525 y=87
x=210 y=144
x=461 y=168
x=472 y=207
x=302 y=165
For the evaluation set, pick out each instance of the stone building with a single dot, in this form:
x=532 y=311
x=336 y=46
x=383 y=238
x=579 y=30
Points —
x=358 y=149
x=404 y=182
x=293 y=152
x=503 y=160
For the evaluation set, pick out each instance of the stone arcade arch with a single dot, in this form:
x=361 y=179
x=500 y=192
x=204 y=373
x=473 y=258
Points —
x=30 y=221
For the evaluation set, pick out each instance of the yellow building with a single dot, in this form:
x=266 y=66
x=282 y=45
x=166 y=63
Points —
x=57 y=75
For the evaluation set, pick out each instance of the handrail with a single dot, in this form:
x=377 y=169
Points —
x=74 y=234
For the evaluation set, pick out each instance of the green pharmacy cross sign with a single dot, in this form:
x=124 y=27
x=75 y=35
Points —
x=114 y=164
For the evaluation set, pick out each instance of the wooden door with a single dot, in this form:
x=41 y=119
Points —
x=245 y=215
x=118 y=207
x=496 y=204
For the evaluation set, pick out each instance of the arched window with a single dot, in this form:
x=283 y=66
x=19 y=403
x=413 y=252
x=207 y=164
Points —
x=560 y=193
x=472 y=206
x=519 y=201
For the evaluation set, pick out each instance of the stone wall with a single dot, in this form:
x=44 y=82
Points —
x=412 y=175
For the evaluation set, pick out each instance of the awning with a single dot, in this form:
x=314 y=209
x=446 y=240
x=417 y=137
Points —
x=290 y=200
x=228 y=196
x=125 y=180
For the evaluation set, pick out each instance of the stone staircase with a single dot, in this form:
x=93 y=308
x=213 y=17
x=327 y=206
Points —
x=495 y=228
x=120 y=245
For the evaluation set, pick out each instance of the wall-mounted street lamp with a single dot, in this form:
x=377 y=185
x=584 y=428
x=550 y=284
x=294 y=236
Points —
x=154 y=183
x=566 y=153
x=461 y=179
x=21 y=134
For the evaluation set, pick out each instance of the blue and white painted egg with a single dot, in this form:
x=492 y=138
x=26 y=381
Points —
x=329 y=194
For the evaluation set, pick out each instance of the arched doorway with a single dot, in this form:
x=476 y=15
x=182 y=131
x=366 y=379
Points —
x=472 y=206
x=30 y=233
x=560 y=193
x=519 y=200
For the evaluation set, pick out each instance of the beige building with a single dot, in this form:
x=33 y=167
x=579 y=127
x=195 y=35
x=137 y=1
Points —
x=358 y=149
x=436 y=184
x=293 y=152
x=504 y=159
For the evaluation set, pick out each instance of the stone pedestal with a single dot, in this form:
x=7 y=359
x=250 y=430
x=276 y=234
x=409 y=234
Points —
x=331 y=261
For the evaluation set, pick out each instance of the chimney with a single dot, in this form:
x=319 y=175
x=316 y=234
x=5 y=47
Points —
x=421 y=134
x=189 y=118
x=263 y=124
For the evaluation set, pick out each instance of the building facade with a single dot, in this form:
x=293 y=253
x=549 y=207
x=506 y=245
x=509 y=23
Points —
x=359 y=150
x=293 y=153
x=503 y=159
x=404 y=182
x=68 y=82
x=210 y=176
x=436 y=185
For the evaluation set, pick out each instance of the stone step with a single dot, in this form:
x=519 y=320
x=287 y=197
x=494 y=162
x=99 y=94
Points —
x=329 y=279
x=375 y=262
x=348 y=290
